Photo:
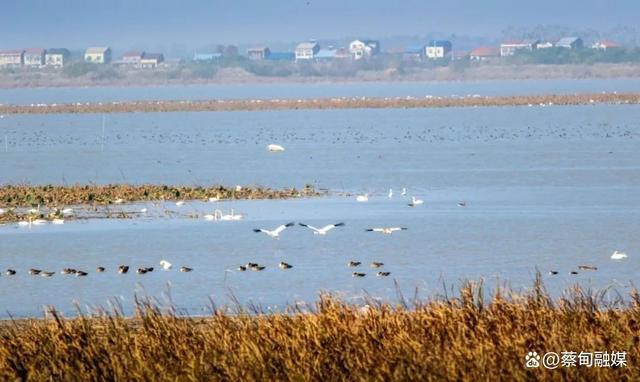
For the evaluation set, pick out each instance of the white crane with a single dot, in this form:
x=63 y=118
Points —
x=323 y=230
x=276 y=232
x=386 y=230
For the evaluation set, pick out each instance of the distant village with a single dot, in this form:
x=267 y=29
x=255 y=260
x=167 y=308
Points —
x=308 y=51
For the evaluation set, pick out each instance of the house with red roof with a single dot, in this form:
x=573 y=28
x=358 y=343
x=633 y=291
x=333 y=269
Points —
x=604 y=45
x=484 y=53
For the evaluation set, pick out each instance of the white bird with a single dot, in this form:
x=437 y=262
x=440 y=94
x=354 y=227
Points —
x=275 y=232
x=404 y=191
x=2 y=211
x=143 y=210
x=23 y=223
x=390 y=195
x=165 y=265
x=323 y=230
x=39 y=222
x=362 y=198
x=214 y=199
x=180 y=203
x=386 y=230
x=415 y=202
x=209 y=217
x=67 y=211
x=57 y=221
x=618 y=255
x=119 y=201
x=275 y=148
x=232 y=216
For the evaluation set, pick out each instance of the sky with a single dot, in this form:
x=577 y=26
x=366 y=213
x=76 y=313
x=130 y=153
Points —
x=188 y=24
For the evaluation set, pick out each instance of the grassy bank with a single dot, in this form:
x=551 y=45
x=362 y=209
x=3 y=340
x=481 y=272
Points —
x=464 y=338
x=50 y=199
x=322 y=103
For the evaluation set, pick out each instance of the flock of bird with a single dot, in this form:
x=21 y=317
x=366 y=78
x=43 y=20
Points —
x=121 y=269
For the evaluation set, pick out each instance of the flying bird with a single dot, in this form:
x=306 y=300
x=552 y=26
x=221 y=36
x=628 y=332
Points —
x=386 y=230
x=276 y=232
x=324 y=230
x=618 y=255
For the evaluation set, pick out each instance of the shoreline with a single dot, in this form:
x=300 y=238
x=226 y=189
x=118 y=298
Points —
x=237 y=76
x=19 y=202
x=321 y=104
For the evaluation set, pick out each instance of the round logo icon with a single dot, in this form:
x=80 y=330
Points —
x=551 y=360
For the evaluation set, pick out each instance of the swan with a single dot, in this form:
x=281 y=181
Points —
x=233 y=216
x=24 y=223
x=119 y=201
x=180 y=203
x=362 y=198
x=415 y=202
x=165 y=265
x=275 y=148
x=276 y=232
x=57 y=221
x=404 y=191
x=213 y=199
x=323 y=230
x=143 y=210
x=386 y=230
x=2 y=211
x=618 y=255
x=209 y=217
x=66 y=211
x=390 y=195
x=39 y=222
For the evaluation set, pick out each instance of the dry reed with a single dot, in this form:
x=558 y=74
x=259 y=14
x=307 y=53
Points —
x=321 y=103
x=465 y=338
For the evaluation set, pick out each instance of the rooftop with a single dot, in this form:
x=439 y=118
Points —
x=34 y=51
x=58 y=51
x=307 y=45
x=10 y=52
x=97 y=49
x=485 y=51
x=567 y=40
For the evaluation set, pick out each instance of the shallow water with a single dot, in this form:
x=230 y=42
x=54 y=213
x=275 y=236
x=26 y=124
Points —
x=320 y=90
x=547 y=188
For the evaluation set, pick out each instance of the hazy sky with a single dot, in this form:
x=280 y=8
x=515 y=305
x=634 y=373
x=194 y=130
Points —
x=193 y=23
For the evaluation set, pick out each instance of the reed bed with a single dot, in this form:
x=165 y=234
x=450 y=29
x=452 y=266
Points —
x=464 y=338
x=322 y=103
x=51 y=197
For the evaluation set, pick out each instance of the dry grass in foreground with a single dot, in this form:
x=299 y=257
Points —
x=452 y=339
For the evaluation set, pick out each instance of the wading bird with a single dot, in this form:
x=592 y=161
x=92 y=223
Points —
x=323 y=230
x=415 y=202
x=276 y=232
x=362 y=198
x=386 y=230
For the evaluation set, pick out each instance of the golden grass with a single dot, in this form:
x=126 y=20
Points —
x=322 y=103
x=463 y=338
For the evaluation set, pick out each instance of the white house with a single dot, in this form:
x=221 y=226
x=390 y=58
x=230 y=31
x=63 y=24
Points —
x=438 y=49
x=11 y=58
x=509 y=48
x=604 y=45
x=34 y=57
x=56 y=57
x=307 y=50
x=364 y=48
x=98 y=55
